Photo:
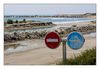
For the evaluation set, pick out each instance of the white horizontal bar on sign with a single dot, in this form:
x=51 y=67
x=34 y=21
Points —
x=52 y=40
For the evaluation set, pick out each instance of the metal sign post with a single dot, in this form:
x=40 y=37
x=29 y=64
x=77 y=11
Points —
x=64 y=51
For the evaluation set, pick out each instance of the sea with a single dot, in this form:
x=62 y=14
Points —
x=54 y=20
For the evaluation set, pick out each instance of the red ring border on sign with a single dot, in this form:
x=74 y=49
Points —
x=52 y=35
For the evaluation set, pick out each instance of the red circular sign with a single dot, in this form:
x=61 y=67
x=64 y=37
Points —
x=52 y=40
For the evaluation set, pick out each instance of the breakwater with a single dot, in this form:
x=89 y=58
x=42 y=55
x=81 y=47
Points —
x=62 y=31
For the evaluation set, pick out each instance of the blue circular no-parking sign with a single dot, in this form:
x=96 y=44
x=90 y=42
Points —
x=75 y=40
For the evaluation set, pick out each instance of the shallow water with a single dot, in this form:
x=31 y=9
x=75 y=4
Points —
x=51 y=19
x=26 y=45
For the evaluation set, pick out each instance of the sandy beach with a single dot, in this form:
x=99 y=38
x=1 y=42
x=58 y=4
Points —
x=39 y=54
x=77 y=23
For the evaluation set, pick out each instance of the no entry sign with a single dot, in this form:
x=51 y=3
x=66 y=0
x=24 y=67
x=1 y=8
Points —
x=52 y=40
x=75 y=40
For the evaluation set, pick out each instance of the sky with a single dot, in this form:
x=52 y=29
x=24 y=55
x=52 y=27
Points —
x=48 y=9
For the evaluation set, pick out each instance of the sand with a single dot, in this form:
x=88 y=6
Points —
x=78 y=24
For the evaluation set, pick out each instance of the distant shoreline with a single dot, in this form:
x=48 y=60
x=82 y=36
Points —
x=56 y=15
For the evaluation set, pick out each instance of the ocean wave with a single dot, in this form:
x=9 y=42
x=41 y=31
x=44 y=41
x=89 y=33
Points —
x=77 y=21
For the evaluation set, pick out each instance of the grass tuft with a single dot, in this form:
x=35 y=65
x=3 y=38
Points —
x=88 y=57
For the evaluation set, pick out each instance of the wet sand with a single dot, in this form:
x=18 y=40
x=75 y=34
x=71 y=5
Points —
x=42 y=55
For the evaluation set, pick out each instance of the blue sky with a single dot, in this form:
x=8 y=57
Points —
x=47 y=9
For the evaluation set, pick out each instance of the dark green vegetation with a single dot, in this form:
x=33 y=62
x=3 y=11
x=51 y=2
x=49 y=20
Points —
x=9 y=21
x=24 y=20
x=87 y=57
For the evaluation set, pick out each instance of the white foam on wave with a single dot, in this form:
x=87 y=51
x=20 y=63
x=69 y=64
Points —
x=24 y=46
x=18 y=49
x=56 y=18
x=9 y=50
x=75 y=21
